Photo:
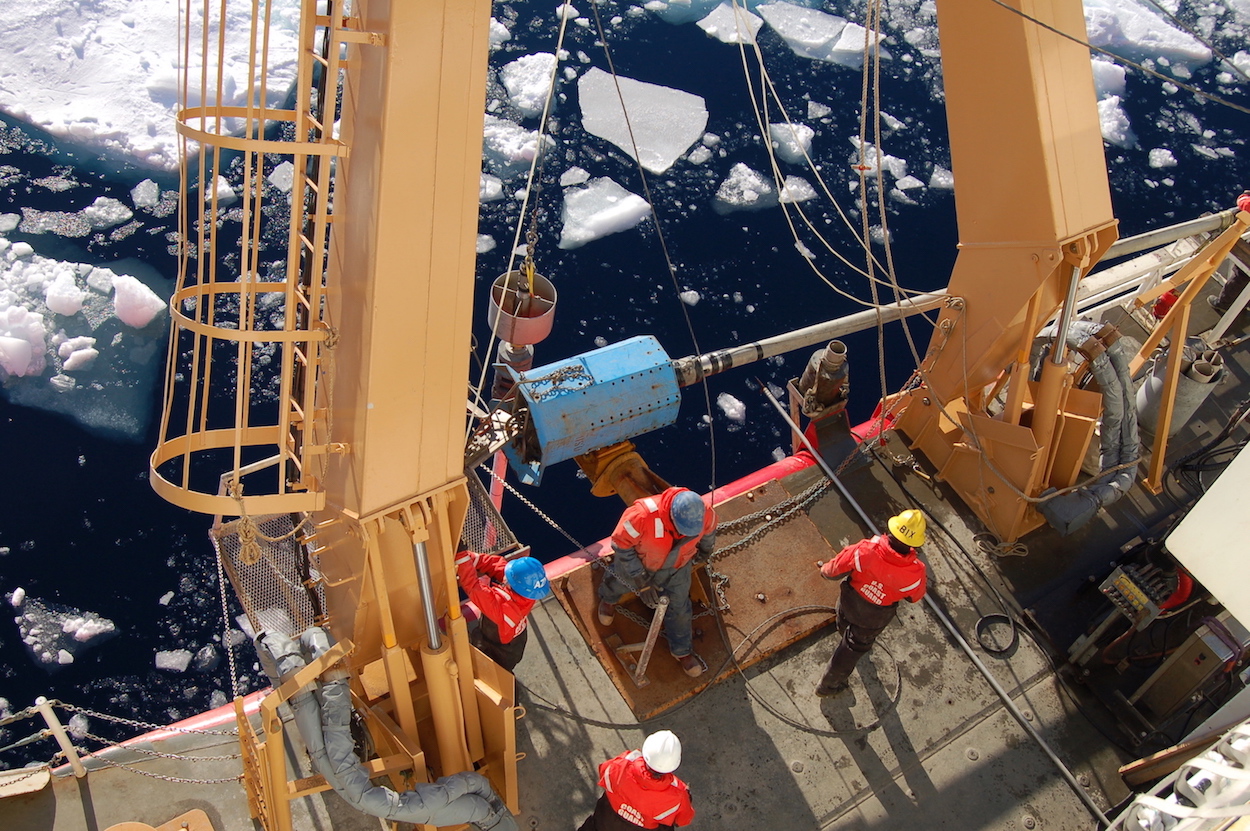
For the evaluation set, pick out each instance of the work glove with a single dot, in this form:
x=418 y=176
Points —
x=649 y=595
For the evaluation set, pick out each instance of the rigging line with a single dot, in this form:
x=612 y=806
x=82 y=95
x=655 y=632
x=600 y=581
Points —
x=659 y=234
x=1182 y=25
x=1125 y=61
x=534 y=172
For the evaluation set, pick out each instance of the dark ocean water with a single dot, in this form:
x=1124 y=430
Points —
x=84 y=529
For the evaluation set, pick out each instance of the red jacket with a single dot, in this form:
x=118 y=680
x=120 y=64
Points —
x=646 y=529
x=880 y=574
x=481 y=577
x=643 y=799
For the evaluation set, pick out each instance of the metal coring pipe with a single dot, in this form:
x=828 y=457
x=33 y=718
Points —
x=949 y=625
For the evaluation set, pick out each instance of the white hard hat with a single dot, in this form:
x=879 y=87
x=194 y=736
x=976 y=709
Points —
x=662 y=751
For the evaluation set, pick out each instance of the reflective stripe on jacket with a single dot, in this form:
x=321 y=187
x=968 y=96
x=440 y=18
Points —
x=481 y=577
x=878 y=573
x=639 y=797
x=647 y=529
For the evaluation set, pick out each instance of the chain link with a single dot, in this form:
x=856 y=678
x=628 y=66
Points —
x=149 y=752
x=29 y=712
x=147 y=726
x=531 y=506
x=168 y=778
x=13 y=780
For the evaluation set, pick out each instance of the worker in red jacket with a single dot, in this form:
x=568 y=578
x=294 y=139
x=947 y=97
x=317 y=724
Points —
x=879 y=572
x=640 y=789
x=504 y=591
x=654 y=546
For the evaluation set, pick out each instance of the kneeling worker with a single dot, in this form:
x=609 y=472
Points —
x=504 y=591
x=654 y=545
x=640 y=789
x=880 y=572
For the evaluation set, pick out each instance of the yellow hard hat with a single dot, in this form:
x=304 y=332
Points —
x=908 y=527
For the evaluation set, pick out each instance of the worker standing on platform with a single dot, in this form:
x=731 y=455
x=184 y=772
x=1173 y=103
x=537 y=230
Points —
x=880 y=572
x=504 y=591
x=640 y=789
x=654 y=545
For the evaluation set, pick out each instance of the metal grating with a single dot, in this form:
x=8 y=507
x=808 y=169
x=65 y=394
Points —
x=268 y=568
x=484 y=529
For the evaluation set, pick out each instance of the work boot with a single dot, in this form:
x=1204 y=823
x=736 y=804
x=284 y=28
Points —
x=691 y=664
x=826 y=690
x=606 y=613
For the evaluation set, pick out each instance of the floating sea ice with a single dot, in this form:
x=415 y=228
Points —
x=908 y=183
x=499 y=34
x=872 y=156
x=574 y=176
x=731 y=23
x=508 y=147
x=8 y=222
x=485 y=243
x=816 y=110
x=54 y=634
x=490 y=188
x=941 y=179
x=282 y=177
x=528 y=81
x=796 y=189
x=793 y=142
x=135 y=304
x=814 y=34
x=105 y=212
x=1161 y=157
x=63 y=295
x=77 y=353
x=1130 y=29
x=600 y=208
x=691 y=297
x=1109 y=77
x=744 y=190
x=173 y=660
x=222 y=190
x=678 y=12
x=1114 y=123
x=146 y=194
x=22 y=344
x=664 y=121
x=733 y=408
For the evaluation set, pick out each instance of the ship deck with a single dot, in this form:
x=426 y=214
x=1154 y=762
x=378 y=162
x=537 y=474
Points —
x=920 y=737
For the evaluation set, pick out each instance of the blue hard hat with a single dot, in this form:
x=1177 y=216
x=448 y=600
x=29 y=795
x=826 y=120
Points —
x=687 y=512
x=527 y=577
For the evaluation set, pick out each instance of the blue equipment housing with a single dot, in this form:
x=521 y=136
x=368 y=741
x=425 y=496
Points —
x=593 y=400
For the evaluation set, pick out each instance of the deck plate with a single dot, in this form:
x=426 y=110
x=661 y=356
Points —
x=771 y=575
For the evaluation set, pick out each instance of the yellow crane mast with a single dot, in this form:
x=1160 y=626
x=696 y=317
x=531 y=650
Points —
x=318 y=409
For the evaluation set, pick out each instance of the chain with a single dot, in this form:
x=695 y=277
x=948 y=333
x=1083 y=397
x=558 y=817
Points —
x=150 y=752
x=531 y=506
x=13 y=780
x=167 y=778
x=557 y=377
x=225 y=622
x=147 y=726
x=29 y=712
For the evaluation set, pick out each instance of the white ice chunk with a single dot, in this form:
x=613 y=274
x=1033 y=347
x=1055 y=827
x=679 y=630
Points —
x=699 y=155
x=485 y=243
x=816 y=110
x=908 y=183
x=165 y=598
x=173 y=660
x=1132 y=30
x=135 y=304
x=796 y=189
x=18 y=597
x=941 y=179
x=574 y=176
x=63 y=295
x=1161 y=157
x=690 y=297
x=814 y=34
x=792 y=142
x=1114 y=123
x=731 y=23
x=282 y=177
x=600 y=208
x=146 y=194
x=55 y=635
x=490 y=188
x=664 y=121
x=1108 y=77
x=499 y=34
x=744 y=189
x=222 y=190
x=106 y=212
x=733 y=408
x=528 y=81
x=872 y=157
x=9 y=221
x=508 y=147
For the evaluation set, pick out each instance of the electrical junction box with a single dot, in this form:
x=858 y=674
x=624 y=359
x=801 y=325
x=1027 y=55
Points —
x=1189 y=669
x=593 y=400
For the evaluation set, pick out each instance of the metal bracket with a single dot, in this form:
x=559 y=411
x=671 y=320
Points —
x=623 y=651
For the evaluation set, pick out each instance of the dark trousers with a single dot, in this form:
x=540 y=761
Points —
x=860 y=622
x=605 y=819
x=486 y=638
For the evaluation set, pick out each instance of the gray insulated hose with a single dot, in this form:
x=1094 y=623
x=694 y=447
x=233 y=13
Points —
x=324 y=717
x=1119 y=447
